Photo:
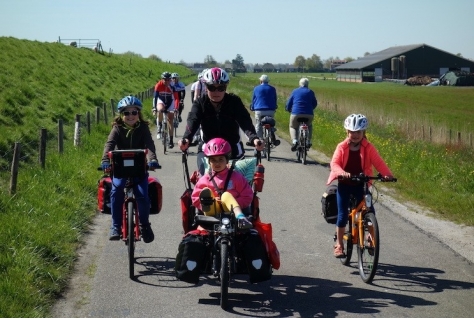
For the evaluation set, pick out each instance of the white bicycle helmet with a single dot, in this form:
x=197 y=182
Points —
x=356 y=122
x=174 y=75
x=216 y=76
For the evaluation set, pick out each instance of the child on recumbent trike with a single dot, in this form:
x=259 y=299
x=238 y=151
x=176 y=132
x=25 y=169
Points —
x=230 y=189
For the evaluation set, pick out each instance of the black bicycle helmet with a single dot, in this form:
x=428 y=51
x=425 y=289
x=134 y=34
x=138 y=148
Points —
x=166 y=75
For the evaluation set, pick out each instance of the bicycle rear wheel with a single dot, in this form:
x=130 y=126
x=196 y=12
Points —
x=267 y=144
x=369 y=252
x=131 y=238
x=347 y=244
x=224 y=274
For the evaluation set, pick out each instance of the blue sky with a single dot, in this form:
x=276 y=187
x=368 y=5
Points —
x=261 y=31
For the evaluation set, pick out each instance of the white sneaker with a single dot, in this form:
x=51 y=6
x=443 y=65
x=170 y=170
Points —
x=158 y=136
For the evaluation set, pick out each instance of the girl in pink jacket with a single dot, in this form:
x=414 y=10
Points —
x=237 y=195
x=353 y=156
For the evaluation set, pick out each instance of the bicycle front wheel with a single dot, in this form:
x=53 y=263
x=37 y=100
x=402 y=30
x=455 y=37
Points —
x=164 y=137
x=131 y=238
x=369 y=251
x=347 y=244
x=224 y=274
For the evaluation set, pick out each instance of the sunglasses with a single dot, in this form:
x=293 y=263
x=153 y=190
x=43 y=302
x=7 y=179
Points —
x=127 y=113
x=213 y=88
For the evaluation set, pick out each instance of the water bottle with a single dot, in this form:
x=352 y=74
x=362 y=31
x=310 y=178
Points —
x=258 y=177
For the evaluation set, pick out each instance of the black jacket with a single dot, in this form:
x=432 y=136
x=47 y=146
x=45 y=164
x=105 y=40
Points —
x=223 y=122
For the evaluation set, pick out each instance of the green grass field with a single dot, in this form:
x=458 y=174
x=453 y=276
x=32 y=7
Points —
x=41 y=83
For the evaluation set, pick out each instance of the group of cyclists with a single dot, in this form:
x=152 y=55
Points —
x=218 y=114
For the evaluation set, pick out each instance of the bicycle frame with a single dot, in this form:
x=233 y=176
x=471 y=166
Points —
x=129 y=198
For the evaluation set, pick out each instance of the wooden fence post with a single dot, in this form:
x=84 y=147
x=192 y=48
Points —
x=60 y=136
x=14 y=171
x=42 y=150
x=88 y=122
x=112 y=107
x=104 y=107
x=77 y=130
x=97 y=115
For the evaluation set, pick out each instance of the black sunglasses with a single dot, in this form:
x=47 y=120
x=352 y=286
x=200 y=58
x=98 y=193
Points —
x=213 y=88
x=127 y=113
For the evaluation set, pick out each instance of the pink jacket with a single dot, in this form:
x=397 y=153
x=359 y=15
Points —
x=238 y=186
x=369 y=158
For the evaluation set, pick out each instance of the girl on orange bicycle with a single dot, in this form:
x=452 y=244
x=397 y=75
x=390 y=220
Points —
x=353 y=156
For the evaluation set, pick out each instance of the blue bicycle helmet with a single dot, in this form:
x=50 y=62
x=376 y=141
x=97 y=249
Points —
x=129 y=101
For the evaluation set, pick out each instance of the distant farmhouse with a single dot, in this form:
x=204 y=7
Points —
x=402 y=62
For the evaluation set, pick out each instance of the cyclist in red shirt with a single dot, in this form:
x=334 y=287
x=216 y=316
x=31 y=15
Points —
x=164 y=100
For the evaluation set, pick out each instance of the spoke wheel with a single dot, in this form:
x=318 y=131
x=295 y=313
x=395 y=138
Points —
x=267 y=145
x=224 y=274
x=369 y=252
x=164 y=137
x=131 y=239
x=347 y=244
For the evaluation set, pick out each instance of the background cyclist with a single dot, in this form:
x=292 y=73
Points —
x=219 y=114
x=264 y=102
x=163 y=100
x=179 y=92
x=301 y=104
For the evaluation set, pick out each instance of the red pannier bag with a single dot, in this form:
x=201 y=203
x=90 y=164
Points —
x=155 y=193
x=103 y=194
x=265 y=232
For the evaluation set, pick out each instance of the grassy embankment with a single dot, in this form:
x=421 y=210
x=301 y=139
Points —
x=44 y=221
x=41 y=83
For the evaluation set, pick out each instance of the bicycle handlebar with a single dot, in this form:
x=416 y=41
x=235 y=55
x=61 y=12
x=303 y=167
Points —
x=147 y=168
x=365 y=178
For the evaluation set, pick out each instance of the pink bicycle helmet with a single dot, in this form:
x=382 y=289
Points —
x=216 y=76
x=217 y=147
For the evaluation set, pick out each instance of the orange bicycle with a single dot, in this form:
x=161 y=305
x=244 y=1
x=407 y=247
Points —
x=362 y=229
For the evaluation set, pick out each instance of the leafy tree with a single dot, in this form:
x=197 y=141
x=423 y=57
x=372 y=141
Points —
x=210 y=61
x=238 y=64
x=154 y=57
x=268 y=67
x=300 y=62
x=349 y=59
x=314 y=63
x=366 y=53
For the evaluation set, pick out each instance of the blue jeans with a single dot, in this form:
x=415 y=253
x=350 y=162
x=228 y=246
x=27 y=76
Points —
x=117 y=197
x=343 y=195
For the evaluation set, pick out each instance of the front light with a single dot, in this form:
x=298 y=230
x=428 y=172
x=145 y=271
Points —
x=368 y=200
x=225 y=221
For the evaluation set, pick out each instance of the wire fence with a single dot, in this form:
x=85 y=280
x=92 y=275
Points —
x=82 y=122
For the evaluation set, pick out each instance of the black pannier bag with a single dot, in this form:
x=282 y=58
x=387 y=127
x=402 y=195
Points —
x=256 y=258
x=329 y=204
x=190 y=258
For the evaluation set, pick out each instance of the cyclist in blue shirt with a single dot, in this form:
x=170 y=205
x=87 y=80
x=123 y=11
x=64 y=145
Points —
x=301 y=104
x=264 y=103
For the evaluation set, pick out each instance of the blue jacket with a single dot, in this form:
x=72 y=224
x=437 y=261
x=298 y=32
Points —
x=301 y=101
x=264 y=98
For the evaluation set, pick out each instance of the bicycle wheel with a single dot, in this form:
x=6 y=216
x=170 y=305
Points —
x=369 y=252
x=347 y=244
x=224 y=274
x=267 y=144
x=131 y=238
x=165 y=136
x=303 y=149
